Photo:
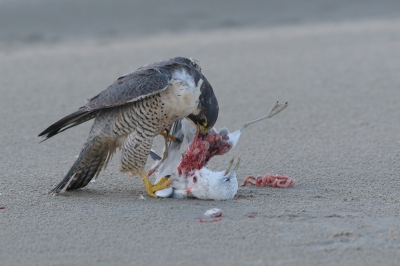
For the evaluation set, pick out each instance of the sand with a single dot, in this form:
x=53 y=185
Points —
x=339 y=138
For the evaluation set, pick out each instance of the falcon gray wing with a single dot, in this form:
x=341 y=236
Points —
x=130 y=88
x=144 y=82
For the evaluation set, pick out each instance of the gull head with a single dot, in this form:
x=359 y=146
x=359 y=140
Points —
x=206 y=184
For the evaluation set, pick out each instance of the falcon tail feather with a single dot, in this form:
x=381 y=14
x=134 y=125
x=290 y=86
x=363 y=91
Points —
x=72 y=120
x=94 y=156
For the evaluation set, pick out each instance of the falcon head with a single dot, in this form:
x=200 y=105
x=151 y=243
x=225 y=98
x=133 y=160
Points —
x=206 y=113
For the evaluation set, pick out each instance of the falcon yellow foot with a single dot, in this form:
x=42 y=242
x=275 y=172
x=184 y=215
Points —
x=151 y=188
x=166 y=135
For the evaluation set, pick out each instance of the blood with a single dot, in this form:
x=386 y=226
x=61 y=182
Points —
x=209 y=221
x=202 y=150
x=252 y=214
x=217 y=214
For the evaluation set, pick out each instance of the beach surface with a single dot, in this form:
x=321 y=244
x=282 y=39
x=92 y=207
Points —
x=335 y=62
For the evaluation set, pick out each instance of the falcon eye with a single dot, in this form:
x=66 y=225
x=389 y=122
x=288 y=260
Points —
x=203 y=120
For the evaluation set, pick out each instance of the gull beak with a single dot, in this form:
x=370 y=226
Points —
x=188 y=192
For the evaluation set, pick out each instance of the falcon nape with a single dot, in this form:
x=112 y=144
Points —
x=131 y=112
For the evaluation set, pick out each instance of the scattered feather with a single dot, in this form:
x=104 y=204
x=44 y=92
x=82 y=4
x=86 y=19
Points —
x=214 y=212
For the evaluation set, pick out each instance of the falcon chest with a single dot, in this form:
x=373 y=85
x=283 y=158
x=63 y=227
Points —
x=144 y=119
x=180 y=98
x=151 y=115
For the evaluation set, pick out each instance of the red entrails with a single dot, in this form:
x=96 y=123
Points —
x=270 y=181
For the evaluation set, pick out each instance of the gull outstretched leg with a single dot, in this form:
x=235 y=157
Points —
x=276 y=108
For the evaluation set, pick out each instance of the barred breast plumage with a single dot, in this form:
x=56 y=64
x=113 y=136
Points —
x=148 y=117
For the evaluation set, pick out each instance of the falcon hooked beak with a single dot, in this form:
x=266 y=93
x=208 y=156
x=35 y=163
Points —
x=206 y=112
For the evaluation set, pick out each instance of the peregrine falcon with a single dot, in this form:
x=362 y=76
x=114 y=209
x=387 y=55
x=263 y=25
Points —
x=131 y=112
